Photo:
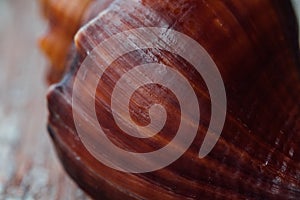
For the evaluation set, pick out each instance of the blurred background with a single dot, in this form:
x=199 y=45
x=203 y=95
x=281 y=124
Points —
x=29 y=168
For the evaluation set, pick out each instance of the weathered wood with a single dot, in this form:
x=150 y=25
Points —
x=29 y=168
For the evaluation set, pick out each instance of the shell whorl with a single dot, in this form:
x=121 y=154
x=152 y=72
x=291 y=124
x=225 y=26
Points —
x=253 y=46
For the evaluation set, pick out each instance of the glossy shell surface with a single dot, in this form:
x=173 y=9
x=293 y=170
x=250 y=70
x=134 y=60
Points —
x=255 y=47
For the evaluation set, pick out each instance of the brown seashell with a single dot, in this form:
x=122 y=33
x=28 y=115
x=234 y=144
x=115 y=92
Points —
x=254 y=45
x=55 y=45
x=65 y=18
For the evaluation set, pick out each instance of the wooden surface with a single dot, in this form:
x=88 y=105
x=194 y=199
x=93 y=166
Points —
x=29 y=168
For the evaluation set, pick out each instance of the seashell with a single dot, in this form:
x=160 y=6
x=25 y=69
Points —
x=254 y=46
x=65 y=18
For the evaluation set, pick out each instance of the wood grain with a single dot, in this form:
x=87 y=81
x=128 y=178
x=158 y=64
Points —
x=29 y=168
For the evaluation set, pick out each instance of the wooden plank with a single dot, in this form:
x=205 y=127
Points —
x=29 y=168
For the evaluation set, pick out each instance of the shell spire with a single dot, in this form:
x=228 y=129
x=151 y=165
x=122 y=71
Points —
x=64 y=18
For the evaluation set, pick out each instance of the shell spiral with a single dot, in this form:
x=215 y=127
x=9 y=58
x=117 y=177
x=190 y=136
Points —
x=140 y=76
x=146 y=84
